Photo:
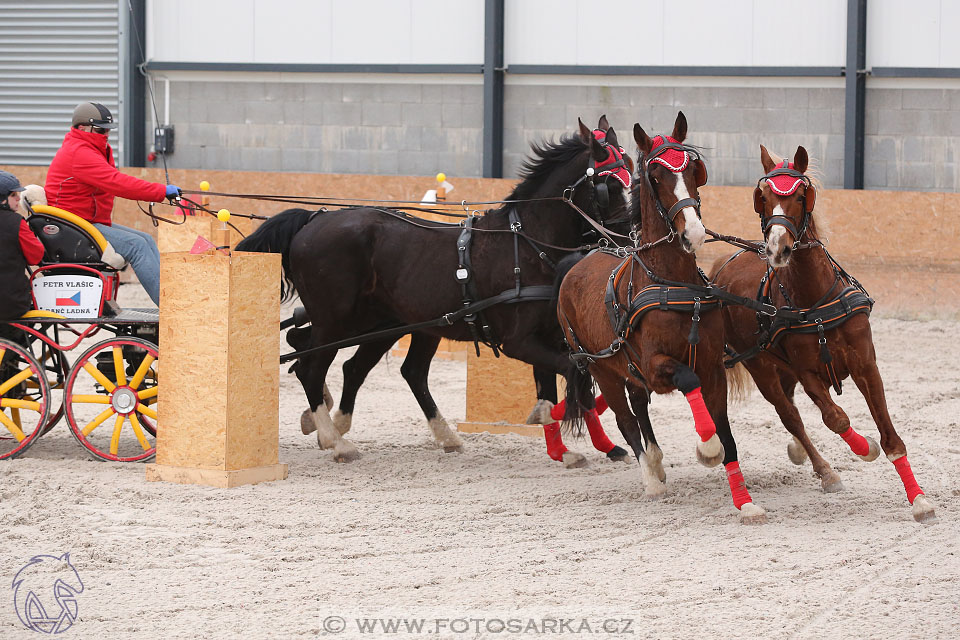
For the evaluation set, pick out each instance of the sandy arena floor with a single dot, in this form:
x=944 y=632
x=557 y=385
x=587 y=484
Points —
x=465 y=541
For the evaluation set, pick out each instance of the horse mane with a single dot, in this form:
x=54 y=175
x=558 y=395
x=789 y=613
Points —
x=819 y=227
x=544 y=158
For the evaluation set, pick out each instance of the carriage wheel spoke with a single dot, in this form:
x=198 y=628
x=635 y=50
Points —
x=144 y=443
x=3 y=352
x=16 y=404
x=141 y=371
x=147 y=411
x=99 y=377
x=95 y=398
x=96 y=422
x=148 y=393
x=12 y=427
x=118 y=366
x=115 y=439
x=15 y=380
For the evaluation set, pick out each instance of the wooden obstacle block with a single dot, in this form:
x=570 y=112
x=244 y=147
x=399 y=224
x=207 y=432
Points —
x=219 y=407
x=180 y=237
x=500 y=394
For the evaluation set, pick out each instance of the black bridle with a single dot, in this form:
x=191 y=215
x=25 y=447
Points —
x=783 y=169
x=600 y=191
x=668 y=215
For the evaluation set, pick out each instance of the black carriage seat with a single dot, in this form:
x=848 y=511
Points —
x=68 y=238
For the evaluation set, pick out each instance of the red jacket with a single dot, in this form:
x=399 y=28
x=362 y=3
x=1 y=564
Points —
x=83 y=178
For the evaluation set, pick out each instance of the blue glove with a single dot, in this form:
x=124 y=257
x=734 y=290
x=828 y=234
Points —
x=173 y=191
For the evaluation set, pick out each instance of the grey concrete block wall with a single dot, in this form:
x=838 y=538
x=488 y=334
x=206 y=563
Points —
x=912 y=135
x=912 y=139
x=325 y=127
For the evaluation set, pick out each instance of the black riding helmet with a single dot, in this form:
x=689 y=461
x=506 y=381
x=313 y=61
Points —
x=8 y=184
x=93 y=113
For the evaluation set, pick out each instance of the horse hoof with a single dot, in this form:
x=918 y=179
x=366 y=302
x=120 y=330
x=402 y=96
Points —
x=655 y=492
x=345 y=452
x=796 y=452
x=832 y=484
x=617 y=454
x=874 y=452
x=752 y=514
x=307 y=426
x=573 y=460
x=710 y=453
x=540 y=414
x=452 y=448
x=923 y=510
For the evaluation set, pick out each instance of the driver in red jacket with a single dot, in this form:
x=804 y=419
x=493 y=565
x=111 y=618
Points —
x=83 y=179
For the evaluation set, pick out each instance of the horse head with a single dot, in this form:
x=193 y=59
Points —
x=671 y=175
x=784 y=199
x=609 y=171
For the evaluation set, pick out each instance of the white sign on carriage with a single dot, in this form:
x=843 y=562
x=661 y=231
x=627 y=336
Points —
x=73 y=296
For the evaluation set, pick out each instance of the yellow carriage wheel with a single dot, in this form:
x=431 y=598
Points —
x=24 y=399
x=111 y=399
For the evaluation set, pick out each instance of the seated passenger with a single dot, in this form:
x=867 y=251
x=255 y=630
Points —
x=83 y=179
x=19 y=247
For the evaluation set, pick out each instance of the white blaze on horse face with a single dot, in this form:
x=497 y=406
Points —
x=777 y=241
x=693 y=229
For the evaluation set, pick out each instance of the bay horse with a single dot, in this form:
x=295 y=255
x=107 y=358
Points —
x=821 y=334
x=367 y=269
x=633 y=319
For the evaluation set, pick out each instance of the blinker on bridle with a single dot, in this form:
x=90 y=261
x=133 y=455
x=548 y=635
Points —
x=655 y=153
x=606 y=169
x=784 y=169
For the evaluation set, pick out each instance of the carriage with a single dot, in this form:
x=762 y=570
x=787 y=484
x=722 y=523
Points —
x=107 y=393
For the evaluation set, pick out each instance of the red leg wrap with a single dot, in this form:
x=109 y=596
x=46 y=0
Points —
x=555 y=447
x=906 y=476
x=597 y=435
x=857 y=443
x=701 y=417
x=601 y=404
x=738 y=488
x=558 y=410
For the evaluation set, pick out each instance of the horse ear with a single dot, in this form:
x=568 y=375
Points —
x=758 y=200
x=585 y=134
x=699 y=172
x=641 y=138
x=800 y=160
x=680 y=127
x=603 y=125
x=598 y=150
x=766 y=160
x=612 y=137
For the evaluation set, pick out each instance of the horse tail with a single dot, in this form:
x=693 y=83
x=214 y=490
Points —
x=275 y=236
x=738 y=383
x=579 y=398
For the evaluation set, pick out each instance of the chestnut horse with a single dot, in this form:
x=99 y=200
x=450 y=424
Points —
x=365 y=270
x=640 y=321
x=821 y=333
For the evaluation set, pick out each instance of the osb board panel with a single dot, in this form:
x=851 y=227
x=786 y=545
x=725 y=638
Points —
x=194 y=332
x=180 y=237
x=253 y=389
x=500 y=390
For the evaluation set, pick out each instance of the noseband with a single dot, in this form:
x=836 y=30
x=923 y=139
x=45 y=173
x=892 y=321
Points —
x=656 y=155
x=785 y=169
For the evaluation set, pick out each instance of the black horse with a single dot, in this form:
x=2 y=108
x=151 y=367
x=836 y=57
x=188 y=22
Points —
x=363 y=270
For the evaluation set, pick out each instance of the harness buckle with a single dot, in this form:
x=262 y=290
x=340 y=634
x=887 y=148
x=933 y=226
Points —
x=515 y=226
x=516 y=271
x=447 y=317
x=568 y=194
x=768 y=310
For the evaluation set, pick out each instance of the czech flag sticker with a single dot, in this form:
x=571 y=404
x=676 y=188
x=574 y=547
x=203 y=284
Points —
x=69 y=299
